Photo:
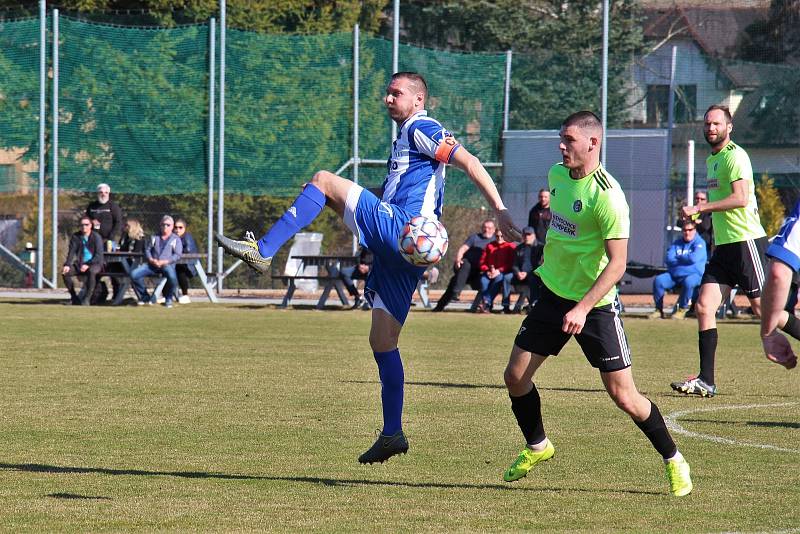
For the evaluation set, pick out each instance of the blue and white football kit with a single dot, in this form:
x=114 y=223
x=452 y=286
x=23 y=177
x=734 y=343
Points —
x=786 y=245
x=413 y=186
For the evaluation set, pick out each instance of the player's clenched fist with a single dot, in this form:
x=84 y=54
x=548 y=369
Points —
x=778 y=350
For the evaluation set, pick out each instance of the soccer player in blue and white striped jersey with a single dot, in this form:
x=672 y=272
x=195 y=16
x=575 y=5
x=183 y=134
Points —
x=414 y=185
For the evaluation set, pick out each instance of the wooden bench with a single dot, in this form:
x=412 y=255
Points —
x=124 y=259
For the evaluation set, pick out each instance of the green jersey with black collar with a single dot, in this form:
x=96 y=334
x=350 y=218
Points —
x=739 y=224
x=585 y=213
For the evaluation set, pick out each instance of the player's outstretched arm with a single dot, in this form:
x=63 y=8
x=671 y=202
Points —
x=477 y=173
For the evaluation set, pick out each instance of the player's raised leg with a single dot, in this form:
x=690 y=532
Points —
x=645 y=414
x=527 y=408
x=383 y=337
x=324 y=188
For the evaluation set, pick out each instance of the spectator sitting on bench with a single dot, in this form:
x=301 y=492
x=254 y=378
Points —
x=85 y=260
x=132 y=240
x=161 y=253
x=188 y=270
x=686 y=262
x=465 y=266
x=527 y=257
x=359 y=271
x=497 y=263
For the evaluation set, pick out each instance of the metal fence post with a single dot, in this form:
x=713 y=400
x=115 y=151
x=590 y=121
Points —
x=54 y=271
x=604 y=84
x=356 y=89
x=42 y=110
x=221 y=162
x=212 y=43
x=507 y=96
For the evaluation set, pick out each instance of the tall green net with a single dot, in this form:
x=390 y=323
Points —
x=133 y=112
x=134 y=104
x=19 y=101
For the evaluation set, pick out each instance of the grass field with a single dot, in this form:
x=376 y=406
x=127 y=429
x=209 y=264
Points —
x=217 y=417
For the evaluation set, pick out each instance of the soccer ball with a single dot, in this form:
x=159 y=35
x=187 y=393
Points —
x=423 y=241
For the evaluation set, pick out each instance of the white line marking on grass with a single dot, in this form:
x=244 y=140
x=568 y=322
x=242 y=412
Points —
x=672 y=424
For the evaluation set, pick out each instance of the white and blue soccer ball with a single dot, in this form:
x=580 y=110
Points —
x=423 y=241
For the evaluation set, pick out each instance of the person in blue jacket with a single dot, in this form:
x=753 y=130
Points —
x=686 y=261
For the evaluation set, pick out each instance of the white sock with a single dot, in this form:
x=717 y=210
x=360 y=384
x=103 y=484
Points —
x=539 y=447
x=677 y=457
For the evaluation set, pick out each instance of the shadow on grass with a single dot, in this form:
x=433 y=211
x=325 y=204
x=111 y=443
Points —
x=767 y=424
x=37 y=302
x=476 y=386
x=334 y=482
x=78 y=497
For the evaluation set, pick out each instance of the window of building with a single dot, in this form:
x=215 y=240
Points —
x=658 y=104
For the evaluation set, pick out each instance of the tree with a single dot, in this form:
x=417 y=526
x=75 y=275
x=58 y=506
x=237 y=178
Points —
x=775 y=39
x=770 y=208
x=557 y=48
x=268 y=16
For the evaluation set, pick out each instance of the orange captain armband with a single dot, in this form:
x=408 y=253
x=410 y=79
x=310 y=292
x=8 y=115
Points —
x=446 y=148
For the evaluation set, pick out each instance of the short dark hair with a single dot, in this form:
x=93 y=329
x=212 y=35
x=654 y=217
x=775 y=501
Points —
x=724 y=109
x=415 y=78
x=583 y=120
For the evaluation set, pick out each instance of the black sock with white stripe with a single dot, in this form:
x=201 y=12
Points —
x=656 y=431
x=792 y=326
x=528 y=411
x=708 y=349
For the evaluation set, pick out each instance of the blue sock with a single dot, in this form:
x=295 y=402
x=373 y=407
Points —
x=303 y=211
x=390 y=369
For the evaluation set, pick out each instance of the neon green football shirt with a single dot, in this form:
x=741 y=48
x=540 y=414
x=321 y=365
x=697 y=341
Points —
x=585 y=213
x=725 y=167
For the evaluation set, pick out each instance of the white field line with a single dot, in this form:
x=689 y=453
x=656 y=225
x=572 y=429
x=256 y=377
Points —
x=673 y=425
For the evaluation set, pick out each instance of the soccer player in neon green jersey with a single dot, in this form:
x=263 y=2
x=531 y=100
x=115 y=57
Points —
x=741 y=242
x=584 y=257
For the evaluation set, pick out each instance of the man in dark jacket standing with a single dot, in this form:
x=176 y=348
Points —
x=105 y=214
x=539 y=216
x=84 y=259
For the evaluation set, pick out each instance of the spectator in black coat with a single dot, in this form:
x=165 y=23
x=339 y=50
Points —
x=539 y=216
x=84 y=260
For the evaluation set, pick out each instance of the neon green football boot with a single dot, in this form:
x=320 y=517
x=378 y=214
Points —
x=526 y=460
x=680 y=480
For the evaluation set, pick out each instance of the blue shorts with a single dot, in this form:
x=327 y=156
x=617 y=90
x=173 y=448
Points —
x=377 y=224
x=786 y=245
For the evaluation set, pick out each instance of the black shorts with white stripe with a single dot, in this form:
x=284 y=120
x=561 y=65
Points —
x=739 y=264
x=602 y=339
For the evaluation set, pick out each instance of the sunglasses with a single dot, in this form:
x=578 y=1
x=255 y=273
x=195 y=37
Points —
x=179 y=227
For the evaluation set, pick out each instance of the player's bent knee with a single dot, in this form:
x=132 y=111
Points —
x=513 y=379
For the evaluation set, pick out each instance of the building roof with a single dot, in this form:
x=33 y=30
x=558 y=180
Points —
x=717 y=30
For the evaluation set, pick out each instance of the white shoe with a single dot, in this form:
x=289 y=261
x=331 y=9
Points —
x=160 y=300
x=184 y=299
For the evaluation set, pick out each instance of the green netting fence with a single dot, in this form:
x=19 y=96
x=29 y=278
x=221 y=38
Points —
x=134 y=106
